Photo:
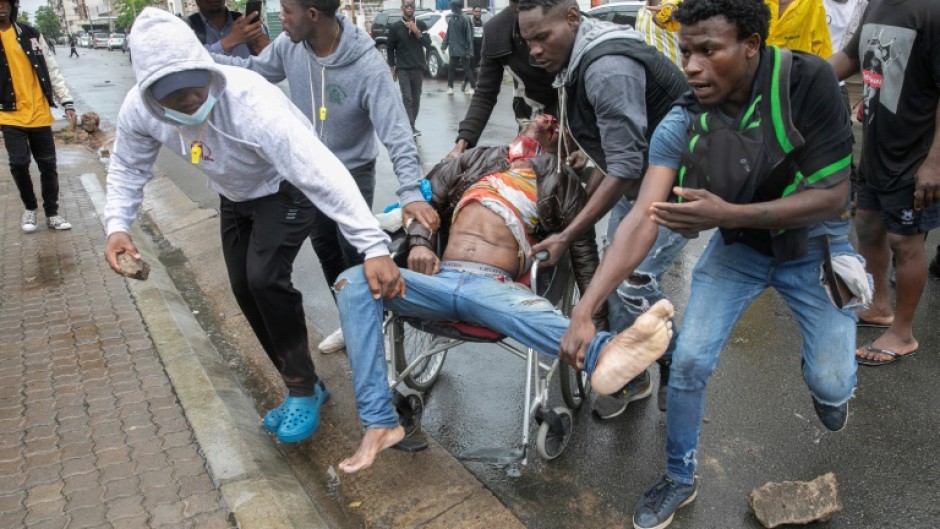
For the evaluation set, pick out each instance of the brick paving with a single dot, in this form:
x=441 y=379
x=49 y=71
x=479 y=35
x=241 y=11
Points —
x=91 y=432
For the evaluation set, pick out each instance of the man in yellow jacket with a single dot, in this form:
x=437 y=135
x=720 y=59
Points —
x=799 y=25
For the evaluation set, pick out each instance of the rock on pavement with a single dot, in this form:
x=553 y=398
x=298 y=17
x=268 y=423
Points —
x=796 y=502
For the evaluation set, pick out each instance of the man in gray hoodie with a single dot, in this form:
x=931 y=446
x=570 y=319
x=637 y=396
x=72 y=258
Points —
x=262 y=157
x=341 y=83
x=614 y=90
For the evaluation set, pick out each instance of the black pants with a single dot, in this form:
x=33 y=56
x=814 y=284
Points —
x=332 y=249
x=260 y=240
x=73 y=52
x=468 y=76
x=20 y=142
x=477 y=51
x=410 y=82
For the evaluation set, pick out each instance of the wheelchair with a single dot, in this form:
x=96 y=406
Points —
x=416 y=349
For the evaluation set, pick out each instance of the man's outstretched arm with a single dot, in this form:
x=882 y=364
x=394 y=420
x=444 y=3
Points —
x=632 y=241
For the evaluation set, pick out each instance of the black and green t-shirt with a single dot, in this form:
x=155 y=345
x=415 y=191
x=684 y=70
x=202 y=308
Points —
x=898 y=47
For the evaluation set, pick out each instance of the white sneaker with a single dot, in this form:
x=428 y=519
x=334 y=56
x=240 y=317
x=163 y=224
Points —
x=332 y=343
x=58 y=222
x=450 y=91
x=469 y=92
x=28 y=221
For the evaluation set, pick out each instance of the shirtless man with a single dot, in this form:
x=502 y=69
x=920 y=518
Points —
x=498 y=203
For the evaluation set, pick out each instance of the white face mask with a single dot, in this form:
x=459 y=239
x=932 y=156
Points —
x=196 y=117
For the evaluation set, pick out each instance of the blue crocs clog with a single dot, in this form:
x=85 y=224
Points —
x=272 y=419
x=301 y=415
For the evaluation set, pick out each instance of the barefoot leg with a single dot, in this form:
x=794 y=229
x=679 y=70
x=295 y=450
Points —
x=374 y=441
x=634 y=349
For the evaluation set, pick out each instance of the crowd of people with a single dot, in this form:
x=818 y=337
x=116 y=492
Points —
x=736 y=124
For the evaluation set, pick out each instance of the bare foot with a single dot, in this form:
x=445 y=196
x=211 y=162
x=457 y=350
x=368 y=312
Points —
x=887 y=342
x=633 y=350
x=872 y=317
x=374 y=441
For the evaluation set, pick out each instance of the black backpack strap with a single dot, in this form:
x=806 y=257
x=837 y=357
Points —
x=777 y=107
x=199 y=27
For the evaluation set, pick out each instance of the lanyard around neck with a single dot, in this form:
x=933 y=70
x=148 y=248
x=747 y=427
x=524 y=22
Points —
x=321 y=112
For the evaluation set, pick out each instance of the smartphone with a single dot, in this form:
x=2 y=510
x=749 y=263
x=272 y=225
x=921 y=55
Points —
x=253 y=6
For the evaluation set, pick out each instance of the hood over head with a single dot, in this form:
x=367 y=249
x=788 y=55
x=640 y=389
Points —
x=171 y=47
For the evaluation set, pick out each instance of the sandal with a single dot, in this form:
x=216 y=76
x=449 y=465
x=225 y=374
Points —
x=301 y=416
x=273 y=419
x=892 y=356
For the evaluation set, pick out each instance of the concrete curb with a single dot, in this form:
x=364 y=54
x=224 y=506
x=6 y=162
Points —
x=429 y=490
x=255 y=480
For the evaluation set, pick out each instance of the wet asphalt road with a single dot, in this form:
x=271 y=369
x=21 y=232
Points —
x=759 y=426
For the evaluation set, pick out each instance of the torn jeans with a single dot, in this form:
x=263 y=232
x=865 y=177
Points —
x=644 y=288
x=450 y=295
x=725 y=281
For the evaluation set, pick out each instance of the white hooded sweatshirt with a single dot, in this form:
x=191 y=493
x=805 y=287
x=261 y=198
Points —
x=253 y=139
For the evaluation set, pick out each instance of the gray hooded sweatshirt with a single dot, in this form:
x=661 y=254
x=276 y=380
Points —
x=361 y=100
x=253 y=139
x=616 y=88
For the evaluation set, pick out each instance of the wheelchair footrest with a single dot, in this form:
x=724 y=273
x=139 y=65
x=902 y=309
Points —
x=410 y=445
x=494 y=456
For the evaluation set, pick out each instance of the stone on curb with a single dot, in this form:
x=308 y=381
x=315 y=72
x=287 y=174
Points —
x=796 y=502
x=90 y=122
x=133 y=268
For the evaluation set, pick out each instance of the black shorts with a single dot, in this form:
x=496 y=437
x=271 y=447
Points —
x=897 y=210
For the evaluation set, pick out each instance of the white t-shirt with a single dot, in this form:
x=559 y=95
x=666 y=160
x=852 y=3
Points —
x=842 y=17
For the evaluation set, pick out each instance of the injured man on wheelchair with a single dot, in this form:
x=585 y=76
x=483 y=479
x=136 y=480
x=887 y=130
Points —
x=494 y=203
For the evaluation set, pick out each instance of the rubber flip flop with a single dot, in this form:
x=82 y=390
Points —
x=893 y=356
x=872 y=325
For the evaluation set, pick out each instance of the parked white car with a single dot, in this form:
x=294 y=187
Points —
x=623 y=13
x=116 y=41
x=437 y=30
x=84 y=41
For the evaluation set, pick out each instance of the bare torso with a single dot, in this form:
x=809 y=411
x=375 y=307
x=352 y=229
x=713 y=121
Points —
x=479 y=235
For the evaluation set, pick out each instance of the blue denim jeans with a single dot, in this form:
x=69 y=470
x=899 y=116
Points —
x=644 y=288
x=507 y=308
x=725 y=281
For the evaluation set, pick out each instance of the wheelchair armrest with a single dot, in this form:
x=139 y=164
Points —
x=551 y=282
x=399 y=242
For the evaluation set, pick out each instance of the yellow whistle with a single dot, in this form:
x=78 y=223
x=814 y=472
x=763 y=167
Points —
x=195 y=153
x=323 y=113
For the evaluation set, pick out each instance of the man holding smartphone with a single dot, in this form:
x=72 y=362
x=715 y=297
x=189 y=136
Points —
x=341 y=83
x=229 y=32
x=407 y=40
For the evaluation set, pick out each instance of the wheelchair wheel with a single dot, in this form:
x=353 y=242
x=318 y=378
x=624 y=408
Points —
x=408 y=343
x=554 y=433
x=575 y=384
x=410 y=411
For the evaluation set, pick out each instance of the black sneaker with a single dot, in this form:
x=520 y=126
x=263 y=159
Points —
x=659 y=504
x=934 y=267
x=663 y=384
x=610 y=406
x=834 y=418
x=415 y=133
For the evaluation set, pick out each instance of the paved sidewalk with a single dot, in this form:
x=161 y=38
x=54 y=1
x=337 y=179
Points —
x=91 y=431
